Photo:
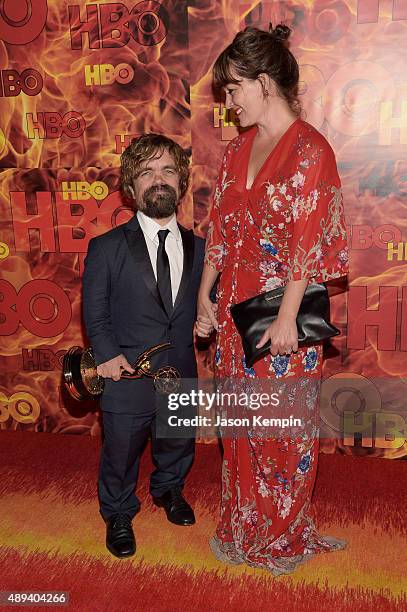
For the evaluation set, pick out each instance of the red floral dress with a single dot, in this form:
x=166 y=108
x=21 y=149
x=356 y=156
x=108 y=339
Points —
x=289 y=225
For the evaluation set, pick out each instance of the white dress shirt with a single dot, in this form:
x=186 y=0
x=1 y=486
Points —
x=173 y=247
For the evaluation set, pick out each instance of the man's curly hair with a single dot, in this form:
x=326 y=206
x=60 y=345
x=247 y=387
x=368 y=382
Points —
x=143 y=148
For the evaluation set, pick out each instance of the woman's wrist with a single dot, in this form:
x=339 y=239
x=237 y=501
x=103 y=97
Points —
x=203 y=295
x=287 y=317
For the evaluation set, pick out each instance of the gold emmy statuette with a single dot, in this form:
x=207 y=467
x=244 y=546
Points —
x=82 y=380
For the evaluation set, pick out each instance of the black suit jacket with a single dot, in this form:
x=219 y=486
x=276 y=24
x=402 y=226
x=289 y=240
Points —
x=123 y=312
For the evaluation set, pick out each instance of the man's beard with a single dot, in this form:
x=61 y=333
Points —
x=160 y=201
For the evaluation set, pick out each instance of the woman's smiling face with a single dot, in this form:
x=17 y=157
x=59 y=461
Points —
x=246 y=99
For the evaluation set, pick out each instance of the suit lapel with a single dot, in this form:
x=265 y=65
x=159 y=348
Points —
x=188 y=244
x=138 y=249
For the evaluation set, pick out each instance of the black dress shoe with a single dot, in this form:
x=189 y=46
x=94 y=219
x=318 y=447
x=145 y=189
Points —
x=120 y=539
x=177 y=508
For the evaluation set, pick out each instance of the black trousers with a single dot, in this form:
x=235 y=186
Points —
x=125 y=436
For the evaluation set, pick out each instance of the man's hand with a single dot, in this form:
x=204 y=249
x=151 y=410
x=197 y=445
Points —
x=113 y=368
x=206 y=318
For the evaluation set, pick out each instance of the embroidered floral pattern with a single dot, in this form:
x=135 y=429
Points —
x=280 y=364
x=268 y=247
x=290 y=225
x=217 y=357
x=248 y=371
x=304 y=464
x=310 y=359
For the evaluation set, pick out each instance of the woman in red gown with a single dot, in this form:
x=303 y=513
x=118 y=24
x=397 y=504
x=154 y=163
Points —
x=277 y=220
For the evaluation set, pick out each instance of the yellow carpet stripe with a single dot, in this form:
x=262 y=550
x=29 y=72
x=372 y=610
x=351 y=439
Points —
x=374 y=558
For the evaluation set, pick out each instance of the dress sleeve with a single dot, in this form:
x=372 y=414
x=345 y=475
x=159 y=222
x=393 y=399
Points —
x=318 y=248
x=215 y=249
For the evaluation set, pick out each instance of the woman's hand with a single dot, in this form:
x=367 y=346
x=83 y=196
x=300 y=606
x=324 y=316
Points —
x=283 y=336
x=283 y=332
x=206 y=310
x=206 y=317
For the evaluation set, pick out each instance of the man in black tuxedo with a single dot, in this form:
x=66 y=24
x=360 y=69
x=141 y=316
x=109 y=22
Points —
x=140 y=288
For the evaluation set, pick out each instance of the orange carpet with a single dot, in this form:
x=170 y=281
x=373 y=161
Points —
x=52 y=538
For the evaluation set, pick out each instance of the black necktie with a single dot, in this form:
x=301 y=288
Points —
x=163 y=272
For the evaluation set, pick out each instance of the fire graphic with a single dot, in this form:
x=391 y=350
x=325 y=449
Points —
x=72 y=132
x=78 y=79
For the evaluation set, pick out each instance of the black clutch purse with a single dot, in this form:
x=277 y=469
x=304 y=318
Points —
x=253 y=316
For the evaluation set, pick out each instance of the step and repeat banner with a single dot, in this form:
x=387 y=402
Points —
x=79 y=79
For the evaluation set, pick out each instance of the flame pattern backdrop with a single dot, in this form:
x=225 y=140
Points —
x=78 y=79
